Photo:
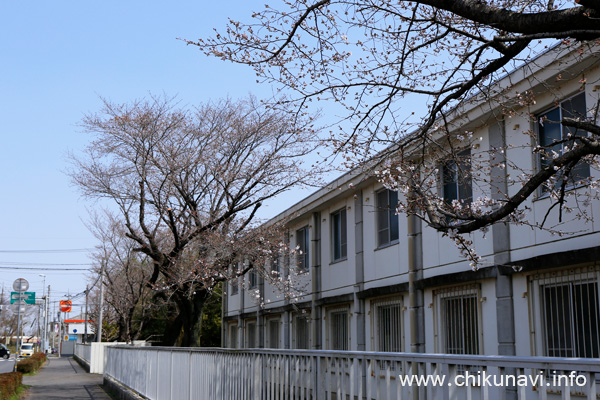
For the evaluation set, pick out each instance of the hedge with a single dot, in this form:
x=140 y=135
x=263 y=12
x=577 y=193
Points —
x=31 y=364
x=9 y=383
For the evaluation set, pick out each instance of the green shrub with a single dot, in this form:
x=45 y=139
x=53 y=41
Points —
x=27 y=366
x=9 y=383
x=39 y=358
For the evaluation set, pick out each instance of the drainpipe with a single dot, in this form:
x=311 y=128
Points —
x=315 y=311
x=415 y=274
x=415 y=295
x=224 y=305
x=359 y=304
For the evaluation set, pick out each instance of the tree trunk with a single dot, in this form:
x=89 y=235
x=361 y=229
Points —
x=173 y=329
x=190 y=309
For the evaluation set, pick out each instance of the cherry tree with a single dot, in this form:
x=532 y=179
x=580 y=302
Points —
x=396 y=72
x=187 y=184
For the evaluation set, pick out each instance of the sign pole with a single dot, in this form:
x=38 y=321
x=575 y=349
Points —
x=18 y=335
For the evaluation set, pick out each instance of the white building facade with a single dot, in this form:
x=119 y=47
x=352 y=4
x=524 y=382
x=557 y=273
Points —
x=380 y=281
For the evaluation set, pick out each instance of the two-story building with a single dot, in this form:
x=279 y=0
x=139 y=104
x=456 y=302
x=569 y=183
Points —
x=378 y=280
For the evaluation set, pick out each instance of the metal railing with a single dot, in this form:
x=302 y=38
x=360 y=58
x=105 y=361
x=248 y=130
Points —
x=83 y=351
x=193 y=373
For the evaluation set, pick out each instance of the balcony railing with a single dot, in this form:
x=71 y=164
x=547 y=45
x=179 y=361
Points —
x=193 y=373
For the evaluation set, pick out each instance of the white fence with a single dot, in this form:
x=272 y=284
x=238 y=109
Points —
x=191 y=373
x=93 y=354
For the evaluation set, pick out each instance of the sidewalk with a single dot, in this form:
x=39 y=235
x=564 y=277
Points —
x=63 y=378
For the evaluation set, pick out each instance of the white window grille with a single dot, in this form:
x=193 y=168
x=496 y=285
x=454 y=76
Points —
x=233 y=334
x=273 y=333
x=250 y=334
x=459 y=316
x=387 y=220
x=566 y=309
x=387 y=324
x=301 y=332
x=338 y=334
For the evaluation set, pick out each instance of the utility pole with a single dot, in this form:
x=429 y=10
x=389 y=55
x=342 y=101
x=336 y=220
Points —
x=85 y=330
x=43 y=333
x=46 y=329
x=99 y=330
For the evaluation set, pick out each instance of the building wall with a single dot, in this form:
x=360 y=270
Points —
x=370 y=275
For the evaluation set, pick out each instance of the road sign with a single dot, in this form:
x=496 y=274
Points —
x=20 y=285
x=27 y=297
x=19 y=306
x=65 y=305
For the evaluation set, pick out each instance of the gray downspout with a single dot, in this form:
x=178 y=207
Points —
x=505 y=316
x=415 y=295
x=359 y=304
x=260 y=319
x=240 y=327
x=315 y=264
x=224 y=305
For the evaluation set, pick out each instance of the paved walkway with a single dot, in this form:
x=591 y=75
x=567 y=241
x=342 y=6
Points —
x=63 y=378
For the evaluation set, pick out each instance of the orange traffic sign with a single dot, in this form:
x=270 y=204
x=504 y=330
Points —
x=65 y=305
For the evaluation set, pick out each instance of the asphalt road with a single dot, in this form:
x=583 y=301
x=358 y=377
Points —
x=6 y=365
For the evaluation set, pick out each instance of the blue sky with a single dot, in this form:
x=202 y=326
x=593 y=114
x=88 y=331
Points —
x=57 y=59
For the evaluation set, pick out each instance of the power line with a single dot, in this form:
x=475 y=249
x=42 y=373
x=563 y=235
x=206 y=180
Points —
x=49 y=269
x=38 y=263
x=47 y=251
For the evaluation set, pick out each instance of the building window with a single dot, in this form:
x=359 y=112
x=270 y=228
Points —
x=339 y=236
x=234 y=282
x=551 y=131
x=273 y=333
x=569 y=312
x=275 y=265
x=339 y=329
x=301 y=332
x=459 y=318
x=387 y=325
x=252 y=279
x=387 y=220
x=232 y=340
x=456 y=179
x=302 y=244
x=250 y=334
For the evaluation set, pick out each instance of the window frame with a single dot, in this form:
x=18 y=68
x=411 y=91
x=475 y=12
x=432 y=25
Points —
x=235 y=282
x=376 y=306
x=543 y=190
x=303 y=256
x=442 y=297
x=387 y=212
x=252 y=279
x=232 y=335
x=462 y=181
x=250 y=326
x=340 y=248
x=269 y=342
x=333 y=332
x=295 y=330
x=539 y=318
